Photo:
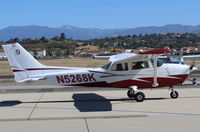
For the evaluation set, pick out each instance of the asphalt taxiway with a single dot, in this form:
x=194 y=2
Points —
x=50 y=108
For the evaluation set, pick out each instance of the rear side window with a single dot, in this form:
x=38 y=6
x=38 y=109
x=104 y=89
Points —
x=139 y=65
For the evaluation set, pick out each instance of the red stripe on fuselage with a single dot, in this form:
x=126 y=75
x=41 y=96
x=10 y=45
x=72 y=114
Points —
x=14 y=70
x=34 y=69
x=141 y=84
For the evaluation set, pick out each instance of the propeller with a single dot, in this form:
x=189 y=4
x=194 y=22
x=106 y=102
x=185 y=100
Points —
x=192 y=66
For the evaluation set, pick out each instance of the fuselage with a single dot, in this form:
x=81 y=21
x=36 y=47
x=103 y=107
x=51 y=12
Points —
x=167 y=75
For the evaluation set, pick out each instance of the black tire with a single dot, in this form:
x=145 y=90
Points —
x=130 y=94
x=139 y=96
x=174 y=94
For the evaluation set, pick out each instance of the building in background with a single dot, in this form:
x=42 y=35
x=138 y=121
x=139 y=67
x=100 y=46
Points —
x=38 y=53
x=2 y=54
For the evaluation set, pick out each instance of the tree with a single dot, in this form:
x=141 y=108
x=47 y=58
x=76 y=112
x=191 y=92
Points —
x=16 y=40
x=43 y=39
x=56 y=38
x=62 y=37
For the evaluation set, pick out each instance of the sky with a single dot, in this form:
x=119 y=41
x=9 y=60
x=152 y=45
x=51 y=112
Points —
x=99 y=13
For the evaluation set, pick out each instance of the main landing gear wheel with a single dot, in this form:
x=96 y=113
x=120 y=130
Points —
x=139 y=96
x=130 y=93
x=174 y=94
x=133 y=93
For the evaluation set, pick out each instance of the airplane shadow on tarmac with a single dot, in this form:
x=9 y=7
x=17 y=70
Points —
x=91 y=102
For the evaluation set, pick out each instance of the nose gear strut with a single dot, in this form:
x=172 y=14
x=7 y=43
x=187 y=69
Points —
x=174 y=94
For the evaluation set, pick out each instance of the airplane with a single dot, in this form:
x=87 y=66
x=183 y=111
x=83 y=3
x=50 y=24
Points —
x=125 y=70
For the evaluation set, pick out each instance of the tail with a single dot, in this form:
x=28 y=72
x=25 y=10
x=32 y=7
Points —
x=22 y=63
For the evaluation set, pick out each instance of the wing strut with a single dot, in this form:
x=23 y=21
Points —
x=155 y=58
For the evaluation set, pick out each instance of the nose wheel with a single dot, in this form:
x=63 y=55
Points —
x=133 y=93
x=174 y=94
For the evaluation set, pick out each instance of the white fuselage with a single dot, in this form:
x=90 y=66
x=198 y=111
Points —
x=167 y=75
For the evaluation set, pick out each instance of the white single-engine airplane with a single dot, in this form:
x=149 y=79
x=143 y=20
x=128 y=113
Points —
x=126 y=70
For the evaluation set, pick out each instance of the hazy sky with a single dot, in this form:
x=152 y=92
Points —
x=99 y=13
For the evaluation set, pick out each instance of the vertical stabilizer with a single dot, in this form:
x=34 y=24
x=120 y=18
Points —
x=21 y=62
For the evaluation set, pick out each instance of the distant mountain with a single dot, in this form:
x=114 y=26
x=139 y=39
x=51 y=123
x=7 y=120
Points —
x=33 y=31
x=173 y=28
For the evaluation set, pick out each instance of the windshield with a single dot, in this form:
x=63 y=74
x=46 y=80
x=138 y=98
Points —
x=159 y=62
x=106 y=66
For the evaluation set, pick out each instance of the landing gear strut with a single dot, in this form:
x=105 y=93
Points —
x=174 y=94
x=134 y=93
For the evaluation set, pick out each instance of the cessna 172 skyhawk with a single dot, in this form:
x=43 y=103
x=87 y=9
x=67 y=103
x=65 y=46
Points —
x=126 y=70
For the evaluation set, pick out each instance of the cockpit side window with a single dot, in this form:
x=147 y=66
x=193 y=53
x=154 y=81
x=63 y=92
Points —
x=139 y=65
x=120 y=67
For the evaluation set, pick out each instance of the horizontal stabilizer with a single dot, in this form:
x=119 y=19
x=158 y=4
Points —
x=32 y=79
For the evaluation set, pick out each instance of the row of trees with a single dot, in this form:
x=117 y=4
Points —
x=62 y=37
x=59 y=44
x=173 y=40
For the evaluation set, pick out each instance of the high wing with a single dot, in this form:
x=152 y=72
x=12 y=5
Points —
x=126 y=57
x=137 y=57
